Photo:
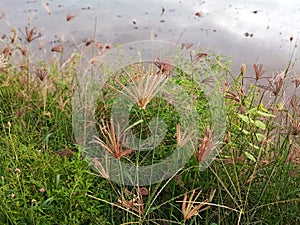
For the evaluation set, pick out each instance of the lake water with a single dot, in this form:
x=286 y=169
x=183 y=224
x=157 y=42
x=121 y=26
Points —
x=252 y=32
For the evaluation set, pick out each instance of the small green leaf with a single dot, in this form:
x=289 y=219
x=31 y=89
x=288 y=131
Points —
x=254 y=146
x=46 y=139
x=260 y=137
x=45 y=203
x=246 y=119
x=134 y=124
x=260 y=113
x=252 y=111
x=260 y=124
x=250 y=156
x=220 y=64
x=262 y=108
x=245 y=131
x=57 y=180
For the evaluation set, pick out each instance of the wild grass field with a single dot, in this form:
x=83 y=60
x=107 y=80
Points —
x=45 y=178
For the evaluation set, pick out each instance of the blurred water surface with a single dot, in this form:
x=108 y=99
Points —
x=250 y=31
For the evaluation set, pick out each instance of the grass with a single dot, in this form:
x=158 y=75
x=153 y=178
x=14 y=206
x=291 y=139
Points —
x=45 y=178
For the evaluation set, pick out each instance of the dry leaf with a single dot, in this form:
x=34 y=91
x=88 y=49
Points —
x=57 y=48
x=70 y=17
